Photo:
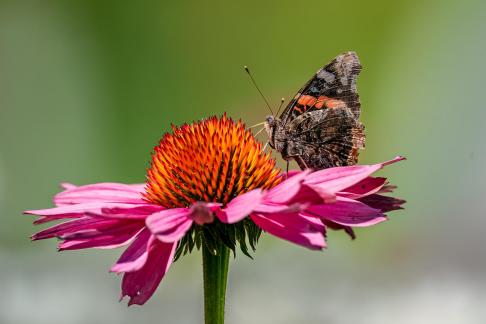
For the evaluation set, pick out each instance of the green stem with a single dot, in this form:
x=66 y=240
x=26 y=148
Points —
x=215 y=268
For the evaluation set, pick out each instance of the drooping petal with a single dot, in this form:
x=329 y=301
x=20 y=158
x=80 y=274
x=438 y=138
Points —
x=383 y=203
x=240 y=207
x=140 y=285
x=347 y=229
x=80 y=224
x=348 y=212
x=107 y=238
x=170 y=225
x=107 y=192
x=336 y=179
x=293 y=228
x=315 y=221
x=46 y=219
x=118 y=227
x=387 y=188
x=135 y=255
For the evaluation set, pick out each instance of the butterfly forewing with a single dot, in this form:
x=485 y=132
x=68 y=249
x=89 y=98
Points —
x=319 y=128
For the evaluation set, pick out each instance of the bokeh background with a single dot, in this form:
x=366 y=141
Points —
x=88 y=87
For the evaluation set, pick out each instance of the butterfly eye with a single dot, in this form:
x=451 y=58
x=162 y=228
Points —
x=270 y=121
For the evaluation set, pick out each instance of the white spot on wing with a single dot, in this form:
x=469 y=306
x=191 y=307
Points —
x=327 y=76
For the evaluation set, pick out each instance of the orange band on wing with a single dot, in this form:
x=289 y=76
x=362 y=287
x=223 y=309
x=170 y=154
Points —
x=305 y=102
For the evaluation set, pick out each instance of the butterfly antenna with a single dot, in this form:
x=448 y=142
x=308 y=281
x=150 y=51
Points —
x=256 y=86
x=280 y=107
x=265 y=147
x=259 y=124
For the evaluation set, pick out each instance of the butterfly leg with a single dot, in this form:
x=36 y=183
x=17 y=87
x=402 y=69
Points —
x=265 y=146
x=294 y=151
x=287 y=174
x=300 y=161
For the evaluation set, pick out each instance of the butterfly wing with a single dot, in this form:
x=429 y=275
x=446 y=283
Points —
x=319 y=128
x=333 y=86
x=325 y=138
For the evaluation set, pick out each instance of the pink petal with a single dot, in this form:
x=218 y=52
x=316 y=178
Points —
x=387 y=188
x=304 y=197
x=203 y=213
x=296 y=221
x=67 y=186
x=139 y=187
x=395 y=160
x=81 y=224
x=112 y=229
x=135 y=255
x=289 y=174
x=363 y=188
x=107 y=192
x=383 y=203
x=337 y=179
x=212 y=206
x=79 y=209
x=140 y=285
x=348 y=212
x=240 y=207
x=312 y=195
x=107 y=238
x=315 y=221
x=348 y=229
x=46 y=219
x=170 y=225
x=133 y=213
x=272 y=208
x=98 y=243
x=293 y=228
x=287 y=189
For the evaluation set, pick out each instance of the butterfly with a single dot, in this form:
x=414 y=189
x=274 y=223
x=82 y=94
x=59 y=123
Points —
x=319 y=128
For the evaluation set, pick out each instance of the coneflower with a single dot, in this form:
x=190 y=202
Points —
x=211 y=187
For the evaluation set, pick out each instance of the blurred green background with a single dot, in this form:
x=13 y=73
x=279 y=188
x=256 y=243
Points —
x=88 y=87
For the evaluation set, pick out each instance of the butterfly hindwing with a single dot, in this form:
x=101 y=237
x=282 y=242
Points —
x=326 y=138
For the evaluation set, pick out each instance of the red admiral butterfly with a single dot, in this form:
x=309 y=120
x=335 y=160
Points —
x=319 y=128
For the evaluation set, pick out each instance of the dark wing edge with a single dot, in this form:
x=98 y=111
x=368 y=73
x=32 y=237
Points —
x=336 y=80
x=347 y=68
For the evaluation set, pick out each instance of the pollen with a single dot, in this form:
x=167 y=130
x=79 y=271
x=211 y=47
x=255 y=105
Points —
x=213 y=160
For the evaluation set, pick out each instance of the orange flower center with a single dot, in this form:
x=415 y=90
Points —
x=213 y=160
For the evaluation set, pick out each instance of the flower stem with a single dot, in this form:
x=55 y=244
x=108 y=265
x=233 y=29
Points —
x=215 y=268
